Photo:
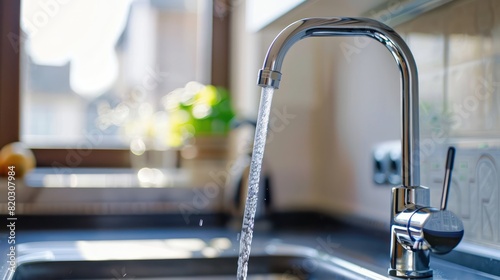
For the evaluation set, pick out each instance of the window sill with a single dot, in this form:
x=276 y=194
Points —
x=114 y=191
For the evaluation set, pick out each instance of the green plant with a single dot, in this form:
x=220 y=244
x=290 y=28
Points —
x=198 y=110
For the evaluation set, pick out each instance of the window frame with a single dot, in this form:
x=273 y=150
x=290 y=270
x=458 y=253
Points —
x=10 y=107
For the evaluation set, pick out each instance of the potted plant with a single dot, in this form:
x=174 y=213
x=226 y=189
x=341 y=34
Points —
x=199 y=120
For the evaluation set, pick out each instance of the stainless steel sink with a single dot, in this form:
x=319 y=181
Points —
x=283 y=257
x=262 y=267
x=178 y=259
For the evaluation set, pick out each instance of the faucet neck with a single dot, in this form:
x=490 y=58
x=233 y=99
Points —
x=270 y=74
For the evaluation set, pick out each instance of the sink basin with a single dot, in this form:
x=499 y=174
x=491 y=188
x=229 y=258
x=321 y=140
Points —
x=158 y=259
x=262 y=267
x=183 y=255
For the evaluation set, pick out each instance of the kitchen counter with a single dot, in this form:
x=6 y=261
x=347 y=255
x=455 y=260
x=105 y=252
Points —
x=365 y=246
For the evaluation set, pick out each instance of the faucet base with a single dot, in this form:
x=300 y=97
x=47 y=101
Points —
x=409 y=263
x=410 y=273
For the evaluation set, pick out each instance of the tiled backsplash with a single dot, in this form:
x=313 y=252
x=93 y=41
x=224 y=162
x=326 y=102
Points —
x=457 y=49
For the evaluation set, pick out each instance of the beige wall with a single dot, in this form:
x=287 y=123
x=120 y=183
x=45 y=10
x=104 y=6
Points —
x=320 y=157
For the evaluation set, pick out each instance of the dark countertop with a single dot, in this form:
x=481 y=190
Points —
x=369 y=246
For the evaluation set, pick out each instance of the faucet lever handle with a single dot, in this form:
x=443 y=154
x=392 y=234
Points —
x=450 y=158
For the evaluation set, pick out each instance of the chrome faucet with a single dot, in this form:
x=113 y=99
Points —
x=416 y=229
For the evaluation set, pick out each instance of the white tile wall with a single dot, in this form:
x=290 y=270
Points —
x=459 y=99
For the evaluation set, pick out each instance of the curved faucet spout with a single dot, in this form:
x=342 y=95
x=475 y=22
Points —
x=270 y=74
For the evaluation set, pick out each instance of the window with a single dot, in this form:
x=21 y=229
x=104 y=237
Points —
x=139 y=51
x=16 y=97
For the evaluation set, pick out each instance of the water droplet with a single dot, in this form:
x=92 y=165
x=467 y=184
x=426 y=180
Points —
x=201 y=222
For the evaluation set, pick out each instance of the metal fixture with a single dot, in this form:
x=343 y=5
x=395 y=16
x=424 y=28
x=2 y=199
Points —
x=387 y=163
x=418 y=230
x=410 y=199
